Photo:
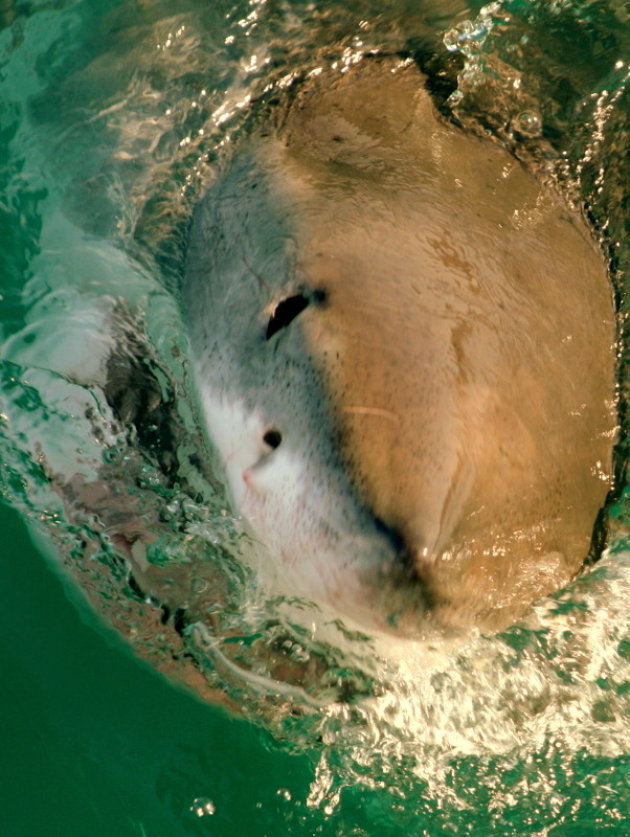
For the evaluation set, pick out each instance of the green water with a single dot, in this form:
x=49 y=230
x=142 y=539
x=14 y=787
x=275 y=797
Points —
x=112 y=115
x=95 y=743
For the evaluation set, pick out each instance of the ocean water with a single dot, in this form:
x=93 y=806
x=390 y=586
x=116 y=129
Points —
x=113 y=119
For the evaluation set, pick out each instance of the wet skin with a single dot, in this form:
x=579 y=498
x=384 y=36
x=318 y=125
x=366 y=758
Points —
x=404 y=349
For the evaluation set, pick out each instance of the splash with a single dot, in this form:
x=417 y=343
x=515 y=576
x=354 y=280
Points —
x=105 y=170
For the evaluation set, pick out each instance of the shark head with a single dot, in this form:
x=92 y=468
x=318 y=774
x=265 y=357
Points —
x=404 y=352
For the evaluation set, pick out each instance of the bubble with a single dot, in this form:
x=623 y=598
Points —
x=528 y=123
x=203 y=807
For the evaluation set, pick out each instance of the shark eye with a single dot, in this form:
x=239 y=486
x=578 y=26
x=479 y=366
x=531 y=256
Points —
x=285 y=312
x=272 y=438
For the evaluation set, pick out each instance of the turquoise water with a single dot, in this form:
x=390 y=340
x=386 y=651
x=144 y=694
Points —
x=112 y=118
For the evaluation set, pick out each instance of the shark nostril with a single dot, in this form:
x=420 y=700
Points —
x=285 y=312
x=291 y=307
x=272 y=438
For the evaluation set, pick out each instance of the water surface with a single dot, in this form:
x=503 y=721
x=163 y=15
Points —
x=113 y=118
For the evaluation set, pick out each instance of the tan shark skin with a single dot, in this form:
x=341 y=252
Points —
x=466 y=341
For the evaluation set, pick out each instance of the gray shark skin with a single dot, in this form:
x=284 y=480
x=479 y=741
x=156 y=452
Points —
x=404 y=350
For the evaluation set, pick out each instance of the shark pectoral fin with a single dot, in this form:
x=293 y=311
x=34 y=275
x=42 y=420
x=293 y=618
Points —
x=431 y=531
